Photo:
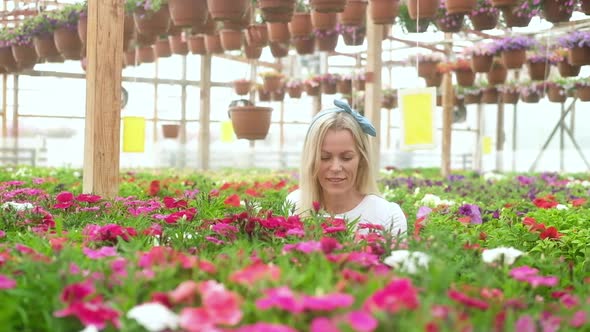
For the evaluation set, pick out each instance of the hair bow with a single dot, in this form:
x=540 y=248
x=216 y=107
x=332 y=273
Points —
x=343 y=106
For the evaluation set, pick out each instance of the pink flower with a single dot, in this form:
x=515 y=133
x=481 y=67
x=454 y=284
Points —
x=185 y=292
x=525 y=323
x=578 y=319
x=6 y=282
x=522 y=273
x=362 y=321
x=255 y=272
x=2 y=234
x=327 y=302
x=282 y=298
x=329 y=244
x=265 y=327
x=323 y=324
x=94 y=312
x=549 y=281
x=76 y=292
x=466 y=300
x=222 y=305
x=100 y=253
x=197 y=320
x=64 y=197
x=397 y=295
x=304 y=247
x=88 y=198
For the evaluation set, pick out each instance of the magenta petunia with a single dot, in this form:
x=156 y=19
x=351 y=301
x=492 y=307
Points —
x=6 y=282
x=323 y=324
x=362 y=321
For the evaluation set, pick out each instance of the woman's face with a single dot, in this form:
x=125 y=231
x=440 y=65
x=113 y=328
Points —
x=339 y=161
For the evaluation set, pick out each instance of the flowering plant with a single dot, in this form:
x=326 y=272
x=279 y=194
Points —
x=351 y=29
x=40 y=26
x=484 y=7
x=559 y=54
x=314 y=81
x=527 y=9
x=407 y=23
x=446 y=21
x=511 y=86
x=427 y=57
x=324 y=33
x=582 y=82
x=5 y=34
x=479 y=49
x=528 y=88
x=513 y=44
x=575 y=39
x=330 y=78
x=462 y=91
x=462 y=64
x=294 y=83
x=566 y=85
x=150 y=5
x=68 y=16
x=541 y=55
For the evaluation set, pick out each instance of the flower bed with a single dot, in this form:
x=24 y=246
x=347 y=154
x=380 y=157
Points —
x=205 y=252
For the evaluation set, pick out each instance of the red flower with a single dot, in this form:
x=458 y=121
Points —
x=578 y=201
x=172 y=203
x=546 y=202
x=232 y=200
x=154 y=188
x=550 y=233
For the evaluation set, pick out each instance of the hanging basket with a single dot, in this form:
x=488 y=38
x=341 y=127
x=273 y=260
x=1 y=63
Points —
x=257 y=35
x=278 y=32
x=279 y=50
x=465 y=77
x=497 y=75
x=427 y=68
x=481 y=63
x=263 y=95
x=24 y=55
x=434 y=80
x=277 y=10
x=579 y=56
x=252 y=52
x=555 y=11
x=354 y=13
x=304 y=46
x=489 y=95
x=513 y=20
x=324 y=21
x=484 y=21
x=186 y=13
x=451 y=23
x=227 y=10
x=353 y=36
x=196 y=44
x=68 y=43
x=473 y=98
x=162 y=48
x=583 y=93
x=345 y=86
x=272 y=83
x=514 y=59
x=538 y=71
x=45 y=46
x=170 y=130
x=129 y=58
x=329 y=88
x=383 y=11
x=300 y=25
x=145 y=54
x=311 y=90
x=295 y=91
x=231 y=40
x=531 y=98
x=242 y=88
x=556 y=94
x=328 y=6
x=510 y=97
x=7 y=59
x=327 y=43
x=460 y=6
x=567 y=70
x=152 y=23
x=250 y=122
x=213 y=44
x=278 y=95
x=427 y=8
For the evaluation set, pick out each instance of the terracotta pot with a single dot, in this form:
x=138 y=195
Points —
x=472 y=98
x=304 y=46
x=263 y=95
x=162 y=48
x=277 y=17
x=130 y=59
x=145 y=40
x=556 y=94
x=579 y=56
x=257 y=35
x=497 y=75
x=279 y=50
x=327 y=43
x=300 y=25
x=383 y=11
x=427 y=8
x=185 y=13
x=145 y=54
x=278 y=95
x=484 y=21
x=514 y=59
x=276 y=10
x=354 y=38
x=242 y=88
x=359 y=84
x=452 y=25
x=434 y=80
x=152 y=24
x=388 y=103
x=68 y=43
x=311 y=90
x=531 y=98
x=231 y=40
x=538 y=71
x=555 y=11
x=45 y=46
x=504 y=3
x=481 y=63
x=510 y=97
x=323 y=21
x=567 y=70
x=250 y=122
x=82 y=28
x=128 y=31
x=278 y=32
x=415 y=26
x=178 y=45
x=427 y=68
x=295 y=91
x=25 y=55
x=585 y=6
x=489 y=96
x=583 y=93
x=345 y=86
x=207 y=28
x=329 y=88
x=213 y=44
x=460 y=6
x=252 y=52
x=465 y=77
x=328 y=6
x=170 y=130
x=227 y=10
x=196 y=44
x=55 y=59
x=7 y=59
x=513 y=20
x=354 y=13
x=272 y=83
x=241 y=23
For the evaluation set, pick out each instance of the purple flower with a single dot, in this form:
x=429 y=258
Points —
x=473 y=211
x=514 y=44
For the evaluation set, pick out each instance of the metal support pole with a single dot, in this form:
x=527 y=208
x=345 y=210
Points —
x=155 y=124
x=546 y=144
x=571 y=135
x=253 y=73
x=500 y=137
x=561 y=140
x=479 y=138
x=514 y=129
x=15 y=114
x=182 y=157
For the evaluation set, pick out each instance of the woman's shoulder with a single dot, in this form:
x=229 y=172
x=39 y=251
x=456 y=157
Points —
x=294 y=196
x=377 y=201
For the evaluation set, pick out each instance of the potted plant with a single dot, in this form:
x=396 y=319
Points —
x=345 y=84
x=278 y=95
x=484 y=16
x=498 y=72
x=252 y=52
x=482 y=56
x=565 y=68
x=409 y=24
x=300 y=24
x=6 y=57
x=510 y=92
x=383 y=11
x=389 y=98
x=427 y=62
x=67 y=40
x=294 y=87
x=583 y=88
x=279 y=49
x=312 y=86
x=559 y=89
x=329 y=83
x=249 y=121
x=520 y=15
x=556 y=11
x=242 y=86
x=272 y=80
x=152 y=17
x=463 y=72
x=162 y=47
x=435 y=79
x=328 y=6
x=276 y=11
x=263 y=94
x=185 y=13
x=539 y=64
x=354 y=13
x=423 y=9
x=227 y=10
x=359 y=78
x=489 y=93
x=353 y=35
x=513 y=50
x=531 y=92
x=324 y=21
x=470 y=94
x=21 y=41
x=326 y=40
x=41 y=27
x=256 y=35
x=578 y=45
x=446 y=21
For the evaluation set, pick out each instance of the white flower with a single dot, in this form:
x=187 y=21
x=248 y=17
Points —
x=407 y=261
x=154 y=317
x=90 y=328
x=17 y=206
x=574 y=183
x=502 y=254
x=434 y=201
x=561 y=207
x=493 y=176
x=416 y=191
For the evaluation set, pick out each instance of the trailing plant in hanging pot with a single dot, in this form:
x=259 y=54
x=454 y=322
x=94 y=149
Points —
x=578 y=45
x=565 y=68
x=427 y=62
x=510 y=92
x=272 y=80
x=447 y=22
x=423 y=9
x=498 y=72
x=556 y=11
x=242 y=86
x=409 y=24
x=531 y=92
x=521 y=15
x=41 y=28
x=329 y=83
x=463 y=72
x=539 y=64
x=559 y=89
x=21 y=42
x=152 y=17
x=582 y=85
x=482 y=56
x=312 y=86
x=471 y=94
x=513 y=50
x=294 y=87
x=326 y=40
x=67 y=40
x=484 y=16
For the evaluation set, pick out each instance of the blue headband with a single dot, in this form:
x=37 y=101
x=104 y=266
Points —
x=343 y=106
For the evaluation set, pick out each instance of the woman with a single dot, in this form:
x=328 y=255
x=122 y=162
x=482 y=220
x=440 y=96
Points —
x=337 y=171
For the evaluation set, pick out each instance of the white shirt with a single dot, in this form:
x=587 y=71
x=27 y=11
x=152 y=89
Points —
x=373 y=210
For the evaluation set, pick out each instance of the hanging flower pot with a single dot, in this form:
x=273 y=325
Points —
x=567 y=70
x=583 y=92
x=556 y=93
x=460 y=6
x=427 y=68
x=300 y=25
x=294 y=89
x=24 y=55
x=278 y=32
x=82 y=28
x=178 y=45
x=353 y=35
x=473 y=98
x=427 y=8
x=434 y=80
x=152 y=23
x=185 y=13
x=276 y=10
x=513 y=59
x=384 y=11
x=345 y=86
x=329 y=84
x=130 y=59
x=68 y=43
x=304 y=45
x=465 y=77
x=312 y=88
x=45 y=46
x=7 y=59
x=242 y=87
x=328 y=6
x=579 y=56
x=489 y=95
x=257 y=35
x=145 y=54
x=145 y=40
x=170 y=130
x=504 y=3
x=514 y=18
x=497 y=73
x=213 y=44
x=510 y=97
x=538 y=70
x=196 y=44
x=327 y=40
x=556 y=11
x=272 y=81
x=227 y=10
x=324 y=21
x=532 y=98
x=354 y=13
x=128 y=31
x=207 y=28
x=162 y=48
x=278 y=95
x=359 y=83
x=481 y=63
x=231 y=40
x=484 y=20
x=250 y=122
x=279 y=50
x=252 y=52
x=239 y=24
x=263 y=95
x=451 y=23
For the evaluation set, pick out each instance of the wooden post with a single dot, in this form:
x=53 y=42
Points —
x=373 y=87
x=477 y=163
x=4 y=124
x=500 y=137
x=155 y=123
x=448 y=100
x=204 y=133
x=182 y=156
x=15 y=113
x=514 y=135
x=103 y=97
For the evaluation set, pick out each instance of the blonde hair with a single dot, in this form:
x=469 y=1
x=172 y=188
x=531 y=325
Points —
x=309 y=184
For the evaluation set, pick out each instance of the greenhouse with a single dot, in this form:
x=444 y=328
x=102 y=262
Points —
x=295 y=165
